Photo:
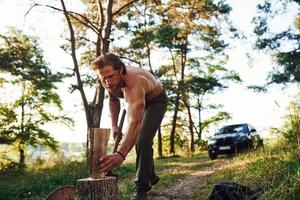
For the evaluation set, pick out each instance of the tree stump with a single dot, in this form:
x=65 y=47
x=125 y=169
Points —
x=104 y=188
x=98 y=186
x=62 y=193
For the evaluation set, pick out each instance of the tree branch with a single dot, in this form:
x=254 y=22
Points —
x=88 y=40
x=132 y=60
x=101 y=24
x=88 y=24
x=76 y=67
x=6 y=40
x=123 y=7
x=101 y=18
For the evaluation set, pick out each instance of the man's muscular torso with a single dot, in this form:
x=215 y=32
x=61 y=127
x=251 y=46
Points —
x=151 y=86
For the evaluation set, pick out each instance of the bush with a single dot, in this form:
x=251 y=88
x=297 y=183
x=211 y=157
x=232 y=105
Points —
x=291 y=128
x=38 y=183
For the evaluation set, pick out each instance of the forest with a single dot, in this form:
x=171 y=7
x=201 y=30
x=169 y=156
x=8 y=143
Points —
x=183 y=44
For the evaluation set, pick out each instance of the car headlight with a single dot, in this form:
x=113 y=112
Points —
x=211 y=142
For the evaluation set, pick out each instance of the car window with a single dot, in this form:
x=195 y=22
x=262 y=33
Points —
x=234 y=129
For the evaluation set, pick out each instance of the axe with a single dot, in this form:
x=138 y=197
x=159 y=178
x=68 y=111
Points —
x=118 y=139
x=119 y=136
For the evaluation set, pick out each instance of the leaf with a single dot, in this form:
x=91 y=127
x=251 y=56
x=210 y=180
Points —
x=23 y=120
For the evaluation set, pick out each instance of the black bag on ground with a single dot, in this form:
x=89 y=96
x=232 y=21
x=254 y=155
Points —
x=233 y=191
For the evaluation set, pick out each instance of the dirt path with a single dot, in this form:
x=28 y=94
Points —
x=185 y=187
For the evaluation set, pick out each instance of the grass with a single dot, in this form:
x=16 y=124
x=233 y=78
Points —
x=37 y=183
x=275 y=169
x=169 y=170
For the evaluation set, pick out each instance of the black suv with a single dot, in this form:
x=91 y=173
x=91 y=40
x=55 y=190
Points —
x=233 y=138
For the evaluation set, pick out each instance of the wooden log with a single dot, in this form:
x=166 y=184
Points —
x=97 y=186
x=99 y=141
x=62 y=193
x=97 y=189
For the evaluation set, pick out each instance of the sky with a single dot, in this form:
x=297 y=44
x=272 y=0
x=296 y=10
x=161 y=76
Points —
x=262 y=110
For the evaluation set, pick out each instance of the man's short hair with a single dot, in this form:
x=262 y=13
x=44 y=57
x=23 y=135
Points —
x=108 y=59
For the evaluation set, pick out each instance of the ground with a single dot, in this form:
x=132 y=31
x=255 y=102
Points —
x=187 y=186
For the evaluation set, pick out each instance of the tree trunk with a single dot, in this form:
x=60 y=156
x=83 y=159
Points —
x=95 y=111
x=96 y=106
x=174 y=123
x=191 y=123
x=159 y=143
x=22 y=154
x=200 y=121
x=105 y=188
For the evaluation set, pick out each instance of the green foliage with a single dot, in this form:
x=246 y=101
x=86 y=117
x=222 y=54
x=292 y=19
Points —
x=204 y=85
x=274 y=169
x=139 y=26
x=276 y=172
x=257 y=88
x=291 y=62
x=190 y=78
x=170 y=169
x=167 y=36
x=141 y=39
x=37 y=184
x=205 y=79
x=7 y=165
x=275 y=41
x=219 y=117
x=181 y=143
x=7 y=117
x=202 y=144
x=291 y=127
x=22 y=119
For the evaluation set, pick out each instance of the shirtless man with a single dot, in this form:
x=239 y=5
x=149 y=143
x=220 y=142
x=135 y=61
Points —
x=147 y=103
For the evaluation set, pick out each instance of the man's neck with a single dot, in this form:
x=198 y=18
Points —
x=122 y=82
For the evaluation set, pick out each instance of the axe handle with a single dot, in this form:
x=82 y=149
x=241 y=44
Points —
x=119 y=136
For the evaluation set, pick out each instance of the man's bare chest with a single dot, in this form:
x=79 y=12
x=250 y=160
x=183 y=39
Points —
x=117 y=93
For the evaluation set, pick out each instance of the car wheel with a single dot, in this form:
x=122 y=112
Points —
x=212 y=155
x=260 y=143
x=251 y=145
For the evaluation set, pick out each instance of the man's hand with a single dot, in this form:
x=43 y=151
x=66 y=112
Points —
x=111 y=161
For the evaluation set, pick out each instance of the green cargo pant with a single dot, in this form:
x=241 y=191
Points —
x=153 y=115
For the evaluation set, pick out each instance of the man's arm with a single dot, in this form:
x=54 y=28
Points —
x=136 y=107
x=114 y=109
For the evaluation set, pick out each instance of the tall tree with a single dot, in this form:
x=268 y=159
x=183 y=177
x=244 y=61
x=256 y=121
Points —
x=139 y=25
x=100 y=23
x=167 y=37
x=182 y=23
x=90 y=33
x=22 y=121
x=203 y=82
x=283 y=43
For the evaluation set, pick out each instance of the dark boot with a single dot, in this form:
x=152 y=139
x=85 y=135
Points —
x=154 y=180
x=136 y=195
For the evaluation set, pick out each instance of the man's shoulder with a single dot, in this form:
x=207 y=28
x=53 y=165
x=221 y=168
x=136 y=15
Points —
x=135 y=70
x=135 y=77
